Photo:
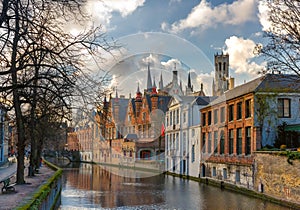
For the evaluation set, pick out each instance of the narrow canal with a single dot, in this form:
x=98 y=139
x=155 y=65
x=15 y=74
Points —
x=94 y=187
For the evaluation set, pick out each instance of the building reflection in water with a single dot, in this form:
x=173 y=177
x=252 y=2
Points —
x=104 y=189
x=97 y=187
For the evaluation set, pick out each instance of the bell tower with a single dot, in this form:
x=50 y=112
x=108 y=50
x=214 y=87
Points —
x=220 y=83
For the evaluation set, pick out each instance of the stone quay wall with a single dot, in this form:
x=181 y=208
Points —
x=275 y=177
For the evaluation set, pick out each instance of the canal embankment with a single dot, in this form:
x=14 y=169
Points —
x=276 y=179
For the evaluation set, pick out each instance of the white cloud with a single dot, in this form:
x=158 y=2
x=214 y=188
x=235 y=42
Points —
x=202 y=78
x=241 y=54
x=101 y=11
x=263 y=15
x=205 y=15
x=152 y=59
x=123 y=7
x=170 y=64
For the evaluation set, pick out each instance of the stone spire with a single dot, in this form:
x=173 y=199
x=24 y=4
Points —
x=154 y=85
x=149 y=81
x=189 y=88
x=175 y=88
x=160 y=83
x=189 y=81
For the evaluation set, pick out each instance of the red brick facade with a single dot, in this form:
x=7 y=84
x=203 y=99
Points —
x=228 y=130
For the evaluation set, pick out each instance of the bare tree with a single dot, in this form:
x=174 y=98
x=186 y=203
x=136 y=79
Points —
x=39 y=58
x=282 y=49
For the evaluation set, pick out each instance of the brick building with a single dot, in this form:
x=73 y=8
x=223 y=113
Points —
x=243 y=120
x=145 y=119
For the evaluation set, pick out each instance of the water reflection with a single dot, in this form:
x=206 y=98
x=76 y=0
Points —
x=93 y=187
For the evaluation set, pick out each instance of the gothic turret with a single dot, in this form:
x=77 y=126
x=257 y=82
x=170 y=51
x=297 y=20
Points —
x=175 y=88
x=154 y=97
x=138 y=101
x=138 y=96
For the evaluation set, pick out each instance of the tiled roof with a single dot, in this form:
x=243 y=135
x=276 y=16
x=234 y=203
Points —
x=268 y=83
x=279 y=83
x=204 y=100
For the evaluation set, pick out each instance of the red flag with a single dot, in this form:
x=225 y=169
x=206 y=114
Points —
x=162 y=129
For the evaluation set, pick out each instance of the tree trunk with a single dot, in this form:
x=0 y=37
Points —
x=16 y=101
x=34 y=157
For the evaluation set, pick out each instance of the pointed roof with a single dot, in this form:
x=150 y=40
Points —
x=161 y=84
x=149 y=81
x=189 y=81
x=154 y=92
x=138 y=96
x=154 y=85
x=138 y=88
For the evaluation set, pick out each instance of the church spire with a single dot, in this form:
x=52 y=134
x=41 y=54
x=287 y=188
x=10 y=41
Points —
x=189 y=80
x=138 y=88
x=149 y=81
x=160 y=83
x=154 y=92
x=154 y=85
x=189 y=88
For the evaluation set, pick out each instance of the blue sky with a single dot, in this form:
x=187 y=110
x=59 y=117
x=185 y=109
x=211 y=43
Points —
x=186 y=32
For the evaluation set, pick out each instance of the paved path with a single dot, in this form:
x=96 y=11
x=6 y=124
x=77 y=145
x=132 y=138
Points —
x=8 y=170
x=25 y=191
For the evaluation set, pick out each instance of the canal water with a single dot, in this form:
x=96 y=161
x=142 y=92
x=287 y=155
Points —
x=90 y=186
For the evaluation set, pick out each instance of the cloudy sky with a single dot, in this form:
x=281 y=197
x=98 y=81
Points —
x=185 y=32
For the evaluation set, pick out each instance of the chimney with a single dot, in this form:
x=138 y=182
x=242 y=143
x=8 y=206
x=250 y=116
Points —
x=231 y=83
